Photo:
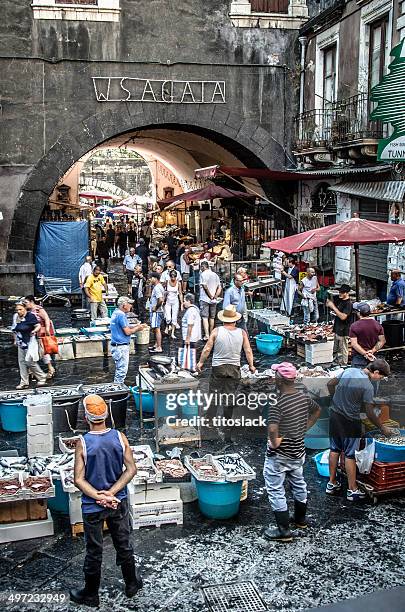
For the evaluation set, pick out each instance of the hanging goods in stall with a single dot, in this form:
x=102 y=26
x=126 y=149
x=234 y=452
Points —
x=353 y=232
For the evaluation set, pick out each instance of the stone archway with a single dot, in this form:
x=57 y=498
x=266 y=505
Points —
x=248 y=140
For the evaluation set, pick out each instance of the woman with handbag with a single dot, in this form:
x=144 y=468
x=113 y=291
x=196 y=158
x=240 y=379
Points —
x=46 y=333
x=25 y=325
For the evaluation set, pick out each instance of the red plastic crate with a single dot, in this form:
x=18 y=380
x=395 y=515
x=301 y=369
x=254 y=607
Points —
x=385 y=476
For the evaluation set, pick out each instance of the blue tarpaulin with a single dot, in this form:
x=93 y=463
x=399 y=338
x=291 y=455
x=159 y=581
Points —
x=61 y=249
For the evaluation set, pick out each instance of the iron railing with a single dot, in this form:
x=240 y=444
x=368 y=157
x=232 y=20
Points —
x=269 y=6
x=337 y=123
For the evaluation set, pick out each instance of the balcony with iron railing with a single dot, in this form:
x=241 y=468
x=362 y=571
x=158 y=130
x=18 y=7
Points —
x=339 y=125
x=269 y=6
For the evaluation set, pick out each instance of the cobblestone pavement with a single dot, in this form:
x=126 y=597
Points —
x=349 y=550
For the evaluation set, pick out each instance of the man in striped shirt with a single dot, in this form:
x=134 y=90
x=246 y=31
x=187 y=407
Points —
x=288 y=422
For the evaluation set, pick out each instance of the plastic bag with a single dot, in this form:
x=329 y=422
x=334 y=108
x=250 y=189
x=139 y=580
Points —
x=365 y=457
x=32 y=350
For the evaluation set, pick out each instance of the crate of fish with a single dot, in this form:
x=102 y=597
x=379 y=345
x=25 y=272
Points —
x=173 y=470
x=67 y=479
x=38 y=487
x=141 y=453
x=389 y=449
x=68 y=444
x=235 y=467
x=56 y=463
x=205 y=468
x=11 y=488
x=146 y=473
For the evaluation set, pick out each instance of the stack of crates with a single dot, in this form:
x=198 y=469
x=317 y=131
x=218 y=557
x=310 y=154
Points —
x=153 y=505
x=39 y=425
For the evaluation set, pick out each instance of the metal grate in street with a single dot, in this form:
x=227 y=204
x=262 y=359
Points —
x=234 y=597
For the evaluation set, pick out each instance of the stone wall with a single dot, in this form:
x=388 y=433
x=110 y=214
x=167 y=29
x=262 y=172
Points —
x=51 y=117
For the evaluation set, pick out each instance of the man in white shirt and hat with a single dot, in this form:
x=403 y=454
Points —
x=227 y=343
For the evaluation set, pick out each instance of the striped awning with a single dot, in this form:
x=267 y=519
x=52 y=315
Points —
x=389 y=191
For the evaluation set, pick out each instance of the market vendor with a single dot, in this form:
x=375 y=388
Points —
x=366 y=338
x=353 y=393
x=396 y=296
x=288 y=421
x=100 y=458
x=93 y=287
x=342 y=307
x=130 y=261
x=308 y=288
x=291 y=275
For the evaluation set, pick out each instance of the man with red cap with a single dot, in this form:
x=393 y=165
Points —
x=288 y=421
x=100 y=459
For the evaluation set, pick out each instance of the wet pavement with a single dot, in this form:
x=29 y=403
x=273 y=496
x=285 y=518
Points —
x=348 y=551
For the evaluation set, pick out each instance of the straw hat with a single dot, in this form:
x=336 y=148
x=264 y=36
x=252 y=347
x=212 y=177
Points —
x=229 y=314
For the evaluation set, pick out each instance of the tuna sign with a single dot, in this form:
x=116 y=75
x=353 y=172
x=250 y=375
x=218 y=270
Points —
x=128 y=89
x=390 y=97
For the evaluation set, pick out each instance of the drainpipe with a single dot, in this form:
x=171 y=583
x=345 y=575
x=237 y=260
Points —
x=303 y=42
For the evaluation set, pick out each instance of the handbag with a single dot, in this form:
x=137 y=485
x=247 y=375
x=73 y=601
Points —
x=50 y=345
x=187 y=358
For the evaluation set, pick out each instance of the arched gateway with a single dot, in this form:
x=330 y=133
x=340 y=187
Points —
x=245 y=139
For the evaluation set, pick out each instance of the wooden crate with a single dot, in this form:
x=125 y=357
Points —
x=78 y=528
x=25 y=510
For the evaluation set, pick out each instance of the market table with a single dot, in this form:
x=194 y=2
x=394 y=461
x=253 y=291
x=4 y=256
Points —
x=149 y=382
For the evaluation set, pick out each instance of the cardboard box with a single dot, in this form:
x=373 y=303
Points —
x=14 y=532
x=39 y=419
x=88 y=347
x=19 y=511
x=38 y=404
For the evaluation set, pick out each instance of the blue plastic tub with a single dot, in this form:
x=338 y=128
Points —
x=218 y=500
x=189 y=411
x=147 y=400
x=317 y=437
x=148 y=403
x=268 y=344
x=388 y=453
x=13 y=416
x=323 y=468
x=59 y=503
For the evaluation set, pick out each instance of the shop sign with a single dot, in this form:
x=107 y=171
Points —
x=128 y=89
x=389 y=95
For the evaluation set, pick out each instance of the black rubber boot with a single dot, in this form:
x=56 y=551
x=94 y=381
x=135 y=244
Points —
x=88 y=596
x=300 y=510
x=282 y=532
x=132 y=578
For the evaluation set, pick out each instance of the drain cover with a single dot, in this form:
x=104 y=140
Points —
x=234 y=597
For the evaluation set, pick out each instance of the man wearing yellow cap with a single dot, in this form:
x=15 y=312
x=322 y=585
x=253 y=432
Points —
x=104 y=465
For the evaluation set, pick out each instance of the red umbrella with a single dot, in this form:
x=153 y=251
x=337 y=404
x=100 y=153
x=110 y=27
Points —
x=211 y=192
x=355 y=231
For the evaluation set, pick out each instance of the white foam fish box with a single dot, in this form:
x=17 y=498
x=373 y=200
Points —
x=26 y=530
x=153 y=493
x=131 y=345
x=39 y=419
x=154 y=515
x=38 y=404
x=65 y=349
x=75 y=508
x=88 y=347
x=317 y=352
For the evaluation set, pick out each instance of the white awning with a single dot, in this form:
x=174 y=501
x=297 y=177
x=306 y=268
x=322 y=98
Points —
x=389 y=191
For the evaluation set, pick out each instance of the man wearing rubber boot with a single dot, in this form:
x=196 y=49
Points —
x=100 y=458
x=288 y=422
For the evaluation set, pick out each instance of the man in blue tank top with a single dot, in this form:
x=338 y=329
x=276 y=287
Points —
x=100 y=459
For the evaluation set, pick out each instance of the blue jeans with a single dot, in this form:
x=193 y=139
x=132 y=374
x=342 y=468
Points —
x=314 y=315
x=120 y=354
x=276 y=469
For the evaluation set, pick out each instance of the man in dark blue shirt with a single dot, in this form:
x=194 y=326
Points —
x=396 y=296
